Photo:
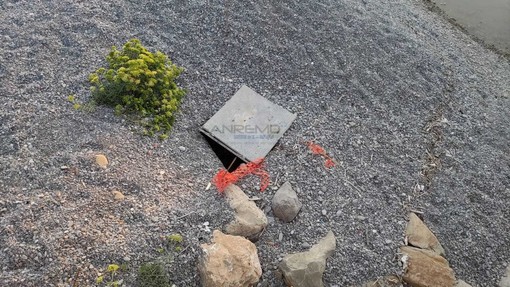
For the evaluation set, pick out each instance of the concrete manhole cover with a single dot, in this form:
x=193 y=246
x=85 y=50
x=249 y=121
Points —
x=248 y=125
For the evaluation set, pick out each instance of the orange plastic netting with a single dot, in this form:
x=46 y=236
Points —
x=317 y=149
x=224 y=178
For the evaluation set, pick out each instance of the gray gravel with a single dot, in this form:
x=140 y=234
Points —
x=396 y=94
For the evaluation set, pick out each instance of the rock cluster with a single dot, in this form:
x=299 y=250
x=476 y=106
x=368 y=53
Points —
x=231 y=259
x=423 y=258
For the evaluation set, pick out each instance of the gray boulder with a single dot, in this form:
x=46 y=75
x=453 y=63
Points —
x=305 y=269
x=286 y=204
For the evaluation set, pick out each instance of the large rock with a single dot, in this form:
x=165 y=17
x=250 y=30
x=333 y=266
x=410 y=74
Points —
x=419 y=235
x=230 y=261
x=249 y=220
x=305 y=269
x=505 y=280
x=286 y=204
x=424 y=268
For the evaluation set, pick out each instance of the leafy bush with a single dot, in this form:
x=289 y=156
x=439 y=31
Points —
x=139 y=82
x=153 y=275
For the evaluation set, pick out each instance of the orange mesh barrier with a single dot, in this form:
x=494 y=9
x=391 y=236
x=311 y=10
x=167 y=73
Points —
x=224 y=178
x=317 y=149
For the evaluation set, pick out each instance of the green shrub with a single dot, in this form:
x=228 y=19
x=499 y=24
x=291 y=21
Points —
x=174 y=238
x=153 y=275
x=111 y=282
x=139 y=82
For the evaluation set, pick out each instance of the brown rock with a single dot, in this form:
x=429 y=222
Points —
x=424 y=268
x=230 y=261
x=101 y=160
x=249 y=220
x=118 y=195
x=419 y=235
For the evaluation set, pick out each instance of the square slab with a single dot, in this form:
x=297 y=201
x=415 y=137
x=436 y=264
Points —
x=248 y=125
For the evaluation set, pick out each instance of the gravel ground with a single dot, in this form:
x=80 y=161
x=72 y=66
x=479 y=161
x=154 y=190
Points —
x=396 y=94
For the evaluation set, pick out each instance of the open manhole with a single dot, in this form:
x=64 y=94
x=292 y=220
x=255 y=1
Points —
x=246 y=128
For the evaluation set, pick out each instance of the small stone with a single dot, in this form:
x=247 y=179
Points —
x=305 y=245
x=419 y=235
x=118 y=195
x=101 y=160
x=181 y=148
x=285 y=203
x=229 y=261
x=324 y=212
x=280 y=236
x=305 y=269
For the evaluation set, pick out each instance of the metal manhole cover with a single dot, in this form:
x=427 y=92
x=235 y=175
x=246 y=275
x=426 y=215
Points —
x=248 y=125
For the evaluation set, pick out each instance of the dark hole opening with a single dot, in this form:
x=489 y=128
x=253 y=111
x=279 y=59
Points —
x=229 y=160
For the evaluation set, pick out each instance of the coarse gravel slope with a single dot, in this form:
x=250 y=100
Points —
x=415 y=113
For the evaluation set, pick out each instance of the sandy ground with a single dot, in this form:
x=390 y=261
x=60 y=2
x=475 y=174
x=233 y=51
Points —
x=396 y=94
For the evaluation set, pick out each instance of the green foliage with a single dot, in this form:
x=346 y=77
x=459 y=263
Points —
x=174 y=238
x=77 y=105
x=112 y=271
x=174 y=241
x=153 y=275
x=112 y=268
x=139 y=82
